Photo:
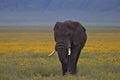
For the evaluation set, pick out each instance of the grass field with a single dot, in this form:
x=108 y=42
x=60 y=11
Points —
x=23 y=55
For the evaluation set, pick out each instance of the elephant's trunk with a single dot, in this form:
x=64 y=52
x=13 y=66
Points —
x=64 y=45
x=69 y=52
x=60 y=45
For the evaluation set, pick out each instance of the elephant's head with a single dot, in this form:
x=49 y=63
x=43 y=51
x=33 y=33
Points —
x=62 y=38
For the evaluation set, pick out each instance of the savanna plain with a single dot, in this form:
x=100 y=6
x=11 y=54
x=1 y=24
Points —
x=23 y=55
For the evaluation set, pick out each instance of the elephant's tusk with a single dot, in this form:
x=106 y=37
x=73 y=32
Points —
x=69 y=51
x=51 y=53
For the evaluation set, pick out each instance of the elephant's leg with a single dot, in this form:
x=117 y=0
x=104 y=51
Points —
x=63 y=59
x=72 y=68
x=74 y=59
x=64 y=68
x=75 y=56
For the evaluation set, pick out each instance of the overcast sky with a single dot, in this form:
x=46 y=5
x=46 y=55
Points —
x=50 y=11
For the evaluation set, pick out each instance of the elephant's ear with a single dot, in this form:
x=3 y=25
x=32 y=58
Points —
x=78 y=32
x=78 y=25
x=57 y=25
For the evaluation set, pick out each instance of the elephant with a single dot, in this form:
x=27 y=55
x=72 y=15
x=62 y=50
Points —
x=70 y=37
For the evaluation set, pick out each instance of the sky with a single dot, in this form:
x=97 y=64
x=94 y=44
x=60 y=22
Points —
x=50 y=11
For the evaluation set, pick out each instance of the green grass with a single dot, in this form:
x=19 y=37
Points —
x=38 y=66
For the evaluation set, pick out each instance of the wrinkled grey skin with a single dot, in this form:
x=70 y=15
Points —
x=71 y=35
